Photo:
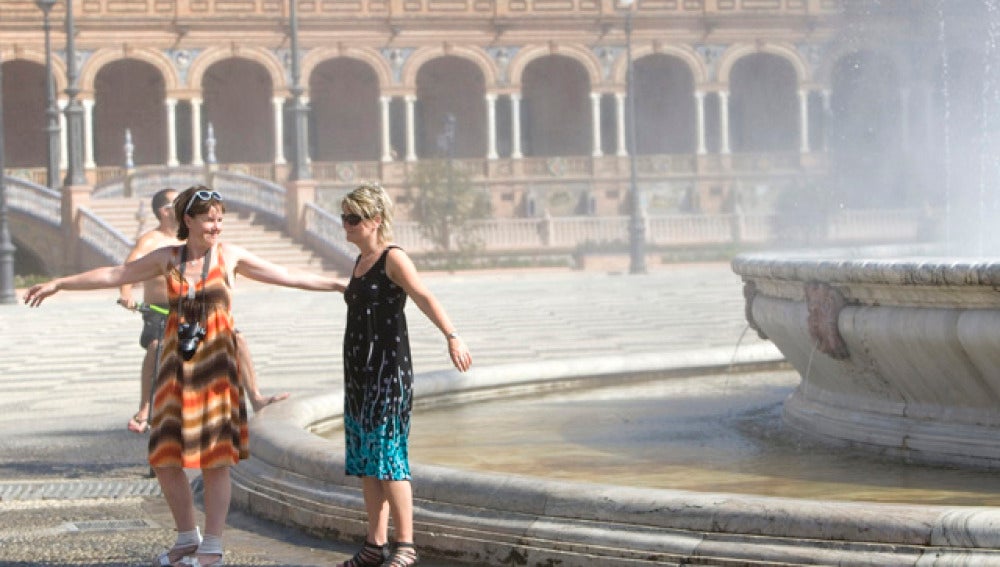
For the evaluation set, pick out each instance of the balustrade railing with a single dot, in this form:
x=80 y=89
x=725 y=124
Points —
x=33 y=199
x=104 y=238
x=568 y=233
x=256 y=194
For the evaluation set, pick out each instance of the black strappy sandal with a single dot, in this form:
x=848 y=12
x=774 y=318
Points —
x=370 y=555
x=405 y=556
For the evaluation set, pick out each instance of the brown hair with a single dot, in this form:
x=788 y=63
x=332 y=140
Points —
x=198 y=207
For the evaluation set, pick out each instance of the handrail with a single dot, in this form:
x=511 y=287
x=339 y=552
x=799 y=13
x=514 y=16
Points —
x=104 y=238
x=33 y=199
x=259 y=195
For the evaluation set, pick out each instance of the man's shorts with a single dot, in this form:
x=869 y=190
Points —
x=153 y=325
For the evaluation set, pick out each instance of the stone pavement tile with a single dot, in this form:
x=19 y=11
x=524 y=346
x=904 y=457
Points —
x=128 y=532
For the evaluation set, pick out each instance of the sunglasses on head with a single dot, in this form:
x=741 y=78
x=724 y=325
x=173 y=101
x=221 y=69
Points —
x=351 y=219
x=202 y=195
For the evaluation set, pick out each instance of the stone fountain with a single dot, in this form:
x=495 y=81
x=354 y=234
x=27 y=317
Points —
x=901 y=355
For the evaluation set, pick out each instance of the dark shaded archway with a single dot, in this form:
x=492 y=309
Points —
x=344 y=102
x=664 y=106
x=555 y=112
x=451 y=85
x=238 y=104
x=129 y=95
x=24 y=119
x=764 y=105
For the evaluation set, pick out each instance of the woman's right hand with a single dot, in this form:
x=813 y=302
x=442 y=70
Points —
x=38 y=292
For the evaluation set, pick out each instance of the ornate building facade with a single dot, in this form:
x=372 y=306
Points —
x=736 y=102
x=726 y=91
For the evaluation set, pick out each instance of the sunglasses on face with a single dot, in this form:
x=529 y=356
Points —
x=351 y=219
x=202 y=196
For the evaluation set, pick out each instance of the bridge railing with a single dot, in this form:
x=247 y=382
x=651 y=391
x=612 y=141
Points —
x=33 y=199
x=145 y=181
x=103 y=238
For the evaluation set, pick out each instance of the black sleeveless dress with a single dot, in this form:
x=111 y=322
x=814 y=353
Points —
x=378 y=376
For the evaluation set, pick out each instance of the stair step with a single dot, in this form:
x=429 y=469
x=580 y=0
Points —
x=132 y=217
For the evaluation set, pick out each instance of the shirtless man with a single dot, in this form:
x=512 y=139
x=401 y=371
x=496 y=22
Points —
x=154 y=294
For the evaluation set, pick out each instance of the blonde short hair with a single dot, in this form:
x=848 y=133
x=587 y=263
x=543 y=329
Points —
x=369 y=200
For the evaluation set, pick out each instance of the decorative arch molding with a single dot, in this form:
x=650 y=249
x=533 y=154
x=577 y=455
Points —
x=159 y=60
x=480 y=58
x=683 y=53
x=316 y=57
x=35 y=56
x=782 y=50
x=581 y=54
x=259 y=55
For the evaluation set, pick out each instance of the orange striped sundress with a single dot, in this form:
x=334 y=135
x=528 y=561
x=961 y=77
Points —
x=199 y=417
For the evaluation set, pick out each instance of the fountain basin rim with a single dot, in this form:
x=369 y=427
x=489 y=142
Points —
x=900 y=271
x=293 y=474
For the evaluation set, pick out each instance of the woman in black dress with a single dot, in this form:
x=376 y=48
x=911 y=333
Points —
x=378 y=373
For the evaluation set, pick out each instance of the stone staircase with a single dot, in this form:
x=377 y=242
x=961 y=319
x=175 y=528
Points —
x=132 y=217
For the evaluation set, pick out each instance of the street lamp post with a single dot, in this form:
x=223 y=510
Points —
x=74 y=110
x=7 y=294
x=51 y=110
x=447 y=145
x=300 y=113
x=637 y=224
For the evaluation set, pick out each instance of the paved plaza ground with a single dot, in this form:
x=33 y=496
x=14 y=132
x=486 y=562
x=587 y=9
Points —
x=73 y=486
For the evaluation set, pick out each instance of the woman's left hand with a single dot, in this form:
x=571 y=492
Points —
x=460 y=355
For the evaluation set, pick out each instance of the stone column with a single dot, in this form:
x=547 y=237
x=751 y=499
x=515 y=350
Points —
x=411 y=146
x=724 y=122
x=804 y=121
x=196 y=142
x=595 y=116
x=699 y=123
x=171 y=104
x=88 y=133
x=515 y=126
x=384 y=102
x=491 y=126
x=620 y=124
x=279 y=130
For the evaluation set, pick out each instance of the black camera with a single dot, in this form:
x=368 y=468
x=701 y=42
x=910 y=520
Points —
x=188 y=337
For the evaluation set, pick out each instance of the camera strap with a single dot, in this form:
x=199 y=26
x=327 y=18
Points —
x=191 y=289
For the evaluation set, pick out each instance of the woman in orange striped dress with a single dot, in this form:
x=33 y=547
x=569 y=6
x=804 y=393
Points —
x=199 y=415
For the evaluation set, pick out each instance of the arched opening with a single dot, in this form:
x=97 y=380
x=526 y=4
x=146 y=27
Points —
x=345 y=117
x=129 y=95
x=238 y=104
x=664 y=106
x=764 y=105
x=555 y=111
x=451 y=86
x=24 y=119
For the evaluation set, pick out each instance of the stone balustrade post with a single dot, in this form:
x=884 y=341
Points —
x=73 y=198
x=298 y=194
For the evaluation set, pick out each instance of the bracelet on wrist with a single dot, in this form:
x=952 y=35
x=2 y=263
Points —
x=452 y=335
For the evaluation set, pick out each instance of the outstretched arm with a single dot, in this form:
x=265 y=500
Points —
x=256 y=268
x=144 y=268
x=401 y=270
